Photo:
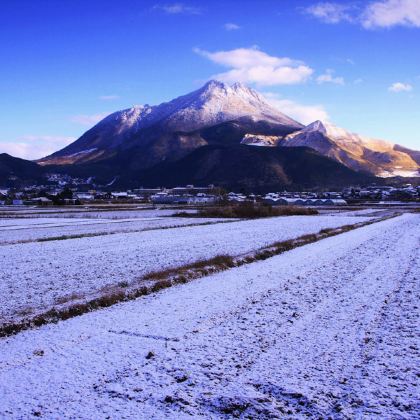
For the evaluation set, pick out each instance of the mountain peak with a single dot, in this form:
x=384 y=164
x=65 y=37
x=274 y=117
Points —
x=215 y=84
x=216 y=102
x=354 y=150
x=239 y=85
x=328 y=129
x=237 y=88
x=317 y=125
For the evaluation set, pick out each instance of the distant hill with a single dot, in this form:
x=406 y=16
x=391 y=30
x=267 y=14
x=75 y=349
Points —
x=257 y=169
x=17 y=172
x=414 y=154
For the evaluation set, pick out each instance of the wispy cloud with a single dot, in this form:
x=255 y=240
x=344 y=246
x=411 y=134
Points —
x=177 y=9
x=300 y=112
x=231 y=26
x=108 y=97
x=33 y=146
x=84 y=119
x=328 y=77
x=400 y=87
x=330 y=12
x=388 y=13
x=250 y=65
x=372 y=15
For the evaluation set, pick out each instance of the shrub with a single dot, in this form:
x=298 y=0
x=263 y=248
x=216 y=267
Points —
x=181 y=279
x=308 y=238
x=183 y=214
x=72 y=311
x=163 y=284
x=109 y=299
x=326 y=231
x=346 y=228
x=140 y=292
x=248 y=210
x=263 y=255
x=285 y=245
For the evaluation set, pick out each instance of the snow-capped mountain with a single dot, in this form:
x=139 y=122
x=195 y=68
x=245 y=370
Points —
x=358 y=152
x=215 y=103
x=154 y=126
x=361 y=153
x=220 y=114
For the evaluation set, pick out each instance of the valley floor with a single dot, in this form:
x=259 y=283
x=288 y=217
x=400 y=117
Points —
x=329 y=329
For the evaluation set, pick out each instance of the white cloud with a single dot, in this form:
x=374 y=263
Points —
x=88 y=119
x=302 y=113
x=328 y=77
x=177 y=9
x=388 y=13
x=358 y=81
x=108 y=97
x=373 y=14
x=400 y=87
x=330 y=12
x=35 y=147
x=250 y=65
x=231 y=26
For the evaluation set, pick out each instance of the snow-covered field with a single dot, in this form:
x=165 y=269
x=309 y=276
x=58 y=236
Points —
x=35 y=276
x=25 y=230
x=89 y=213
x=328 y=330
x=363 y=212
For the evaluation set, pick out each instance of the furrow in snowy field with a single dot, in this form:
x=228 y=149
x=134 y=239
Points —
x=28 y=232
x=324 y=330
x=36 y=275
x=26 y=216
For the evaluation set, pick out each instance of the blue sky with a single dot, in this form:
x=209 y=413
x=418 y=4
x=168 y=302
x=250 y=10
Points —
x=67 y=63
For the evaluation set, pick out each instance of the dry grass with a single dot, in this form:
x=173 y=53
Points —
x=218 y=262
x=326 y=231
x=161 y=284
x=308 y=238
x=68 y=298
x=285 y=245
x=249 y=210
x=65 y=237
